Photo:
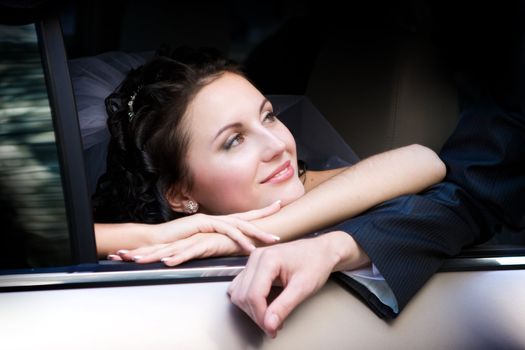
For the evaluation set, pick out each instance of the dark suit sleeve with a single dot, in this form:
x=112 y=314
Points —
x=408 y=238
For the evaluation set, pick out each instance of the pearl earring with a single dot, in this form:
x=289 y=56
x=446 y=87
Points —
x=191 y=207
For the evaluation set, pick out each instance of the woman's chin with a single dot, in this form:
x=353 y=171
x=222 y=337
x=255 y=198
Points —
x=292 y=196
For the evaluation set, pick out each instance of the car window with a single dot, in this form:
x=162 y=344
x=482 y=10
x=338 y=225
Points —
x=274 y=41
x=32 y=210
x=31 y=187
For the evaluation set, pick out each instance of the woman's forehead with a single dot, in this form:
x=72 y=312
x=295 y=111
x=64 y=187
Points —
x=229 y=91
x=228 y=99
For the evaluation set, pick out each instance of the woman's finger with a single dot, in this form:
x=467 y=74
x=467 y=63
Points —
x=251 y=230
x=114 y=257
x=202 y=246
x=234 y=233
x=161 y=253
x=136 y=254
x=235 y=226
x=259 y=213
x=194 y=252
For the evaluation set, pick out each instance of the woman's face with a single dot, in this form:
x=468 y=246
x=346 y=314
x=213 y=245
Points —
x=240 y=156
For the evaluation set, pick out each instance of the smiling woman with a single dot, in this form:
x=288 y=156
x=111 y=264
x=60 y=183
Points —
x=191 y=134
x=198 y=151
x=251 y=162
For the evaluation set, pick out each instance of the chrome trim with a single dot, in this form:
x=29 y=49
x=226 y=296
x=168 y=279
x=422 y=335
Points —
x=485 y=263
x=499 y=261
x=509 y=260
x=70 y=278
x=63 y=278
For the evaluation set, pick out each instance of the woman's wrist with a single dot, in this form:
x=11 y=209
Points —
x=113 y=237
x=266 y=224
x=286 y=223
x=146 y=234
x=158 y=233
x=347 y=254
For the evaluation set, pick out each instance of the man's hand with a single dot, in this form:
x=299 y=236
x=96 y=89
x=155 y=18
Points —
x=302 y=267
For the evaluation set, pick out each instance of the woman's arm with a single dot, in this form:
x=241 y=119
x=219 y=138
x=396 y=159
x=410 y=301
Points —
x=111 y=238
x=335 y=195
x=332 y=196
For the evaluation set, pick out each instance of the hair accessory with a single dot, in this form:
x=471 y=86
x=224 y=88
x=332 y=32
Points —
x=191 y=207
x=131 y=113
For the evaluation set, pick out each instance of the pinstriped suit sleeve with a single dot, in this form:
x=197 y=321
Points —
x=409 y=237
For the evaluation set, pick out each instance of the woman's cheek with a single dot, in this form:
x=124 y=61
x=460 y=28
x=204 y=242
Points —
x=226 y=187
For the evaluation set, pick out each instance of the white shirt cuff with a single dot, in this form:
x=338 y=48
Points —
x=371 y=278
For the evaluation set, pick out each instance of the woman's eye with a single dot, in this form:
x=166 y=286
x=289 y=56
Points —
x=233 y=141
x=270 y=117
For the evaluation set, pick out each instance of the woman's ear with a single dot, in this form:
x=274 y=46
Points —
x=178 y=199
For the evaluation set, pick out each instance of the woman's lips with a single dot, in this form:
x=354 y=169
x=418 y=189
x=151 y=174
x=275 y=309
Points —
x=282 y=173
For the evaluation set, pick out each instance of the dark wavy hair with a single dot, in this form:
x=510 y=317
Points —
x=147 y=149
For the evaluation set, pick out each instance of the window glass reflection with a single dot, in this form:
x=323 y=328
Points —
x=34 y=226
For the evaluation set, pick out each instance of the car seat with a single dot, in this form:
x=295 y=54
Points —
x=384 y=90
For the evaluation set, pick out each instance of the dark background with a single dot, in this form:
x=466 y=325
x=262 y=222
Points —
x=278 y=40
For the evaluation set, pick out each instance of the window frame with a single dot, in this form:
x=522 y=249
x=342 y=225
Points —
x=67 y=132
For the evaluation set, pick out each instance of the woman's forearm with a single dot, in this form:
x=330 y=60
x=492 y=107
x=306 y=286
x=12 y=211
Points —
x=113 y=237
x=372 y=181
x=368 y=183
x=129 y=236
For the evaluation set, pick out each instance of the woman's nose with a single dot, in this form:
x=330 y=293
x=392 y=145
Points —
x=273 y=146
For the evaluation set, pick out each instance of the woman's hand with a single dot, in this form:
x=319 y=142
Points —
x=236 y=226
x=302 y=267
x=200 y=245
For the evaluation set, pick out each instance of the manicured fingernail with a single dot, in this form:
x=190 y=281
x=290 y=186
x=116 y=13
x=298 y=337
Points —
x=112 y=257
x=276 y=238
x=122 y=251
x=278 y=201
x=137 y=257
x=164 y=259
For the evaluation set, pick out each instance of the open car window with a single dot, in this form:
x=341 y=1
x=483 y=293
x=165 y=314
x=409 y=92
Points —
x=49 y=155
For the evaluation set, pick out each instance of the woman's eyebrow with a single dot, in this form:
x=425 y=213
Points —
x=226 y=127
x=237 y=124
x=264 y=102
